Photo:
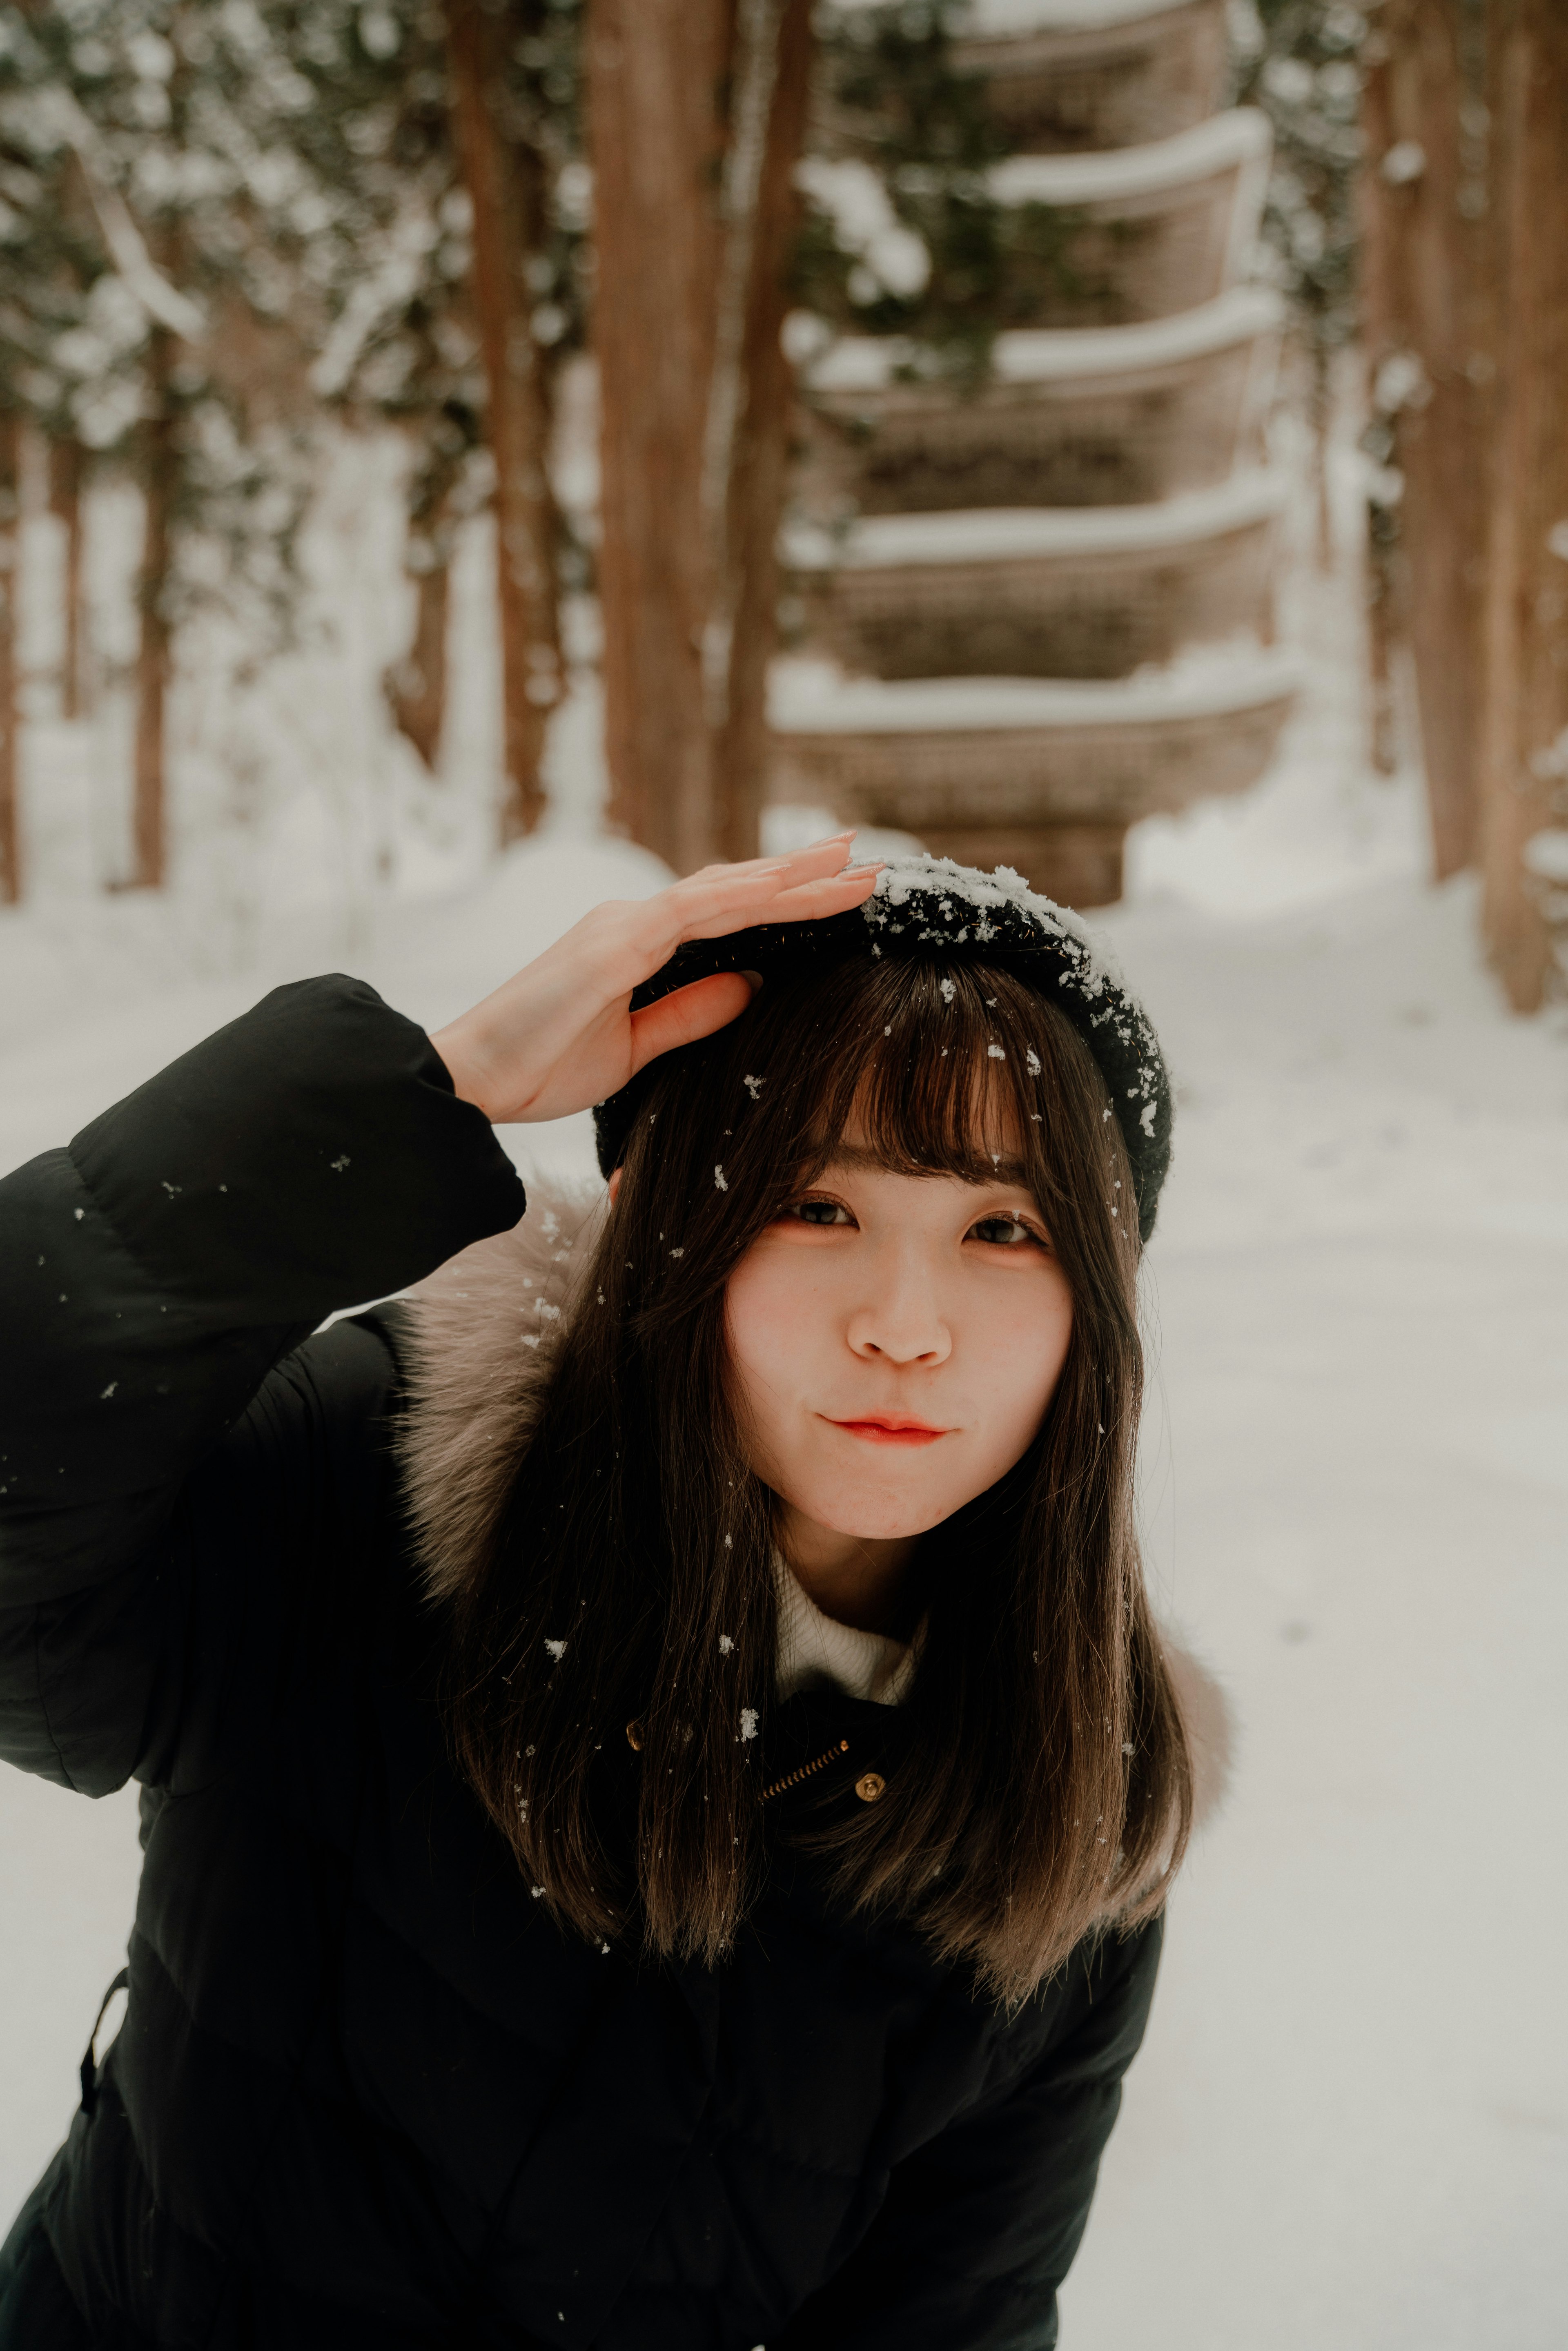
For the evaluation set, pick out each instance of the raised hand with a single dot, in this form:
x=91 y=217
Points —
x=561 y=1034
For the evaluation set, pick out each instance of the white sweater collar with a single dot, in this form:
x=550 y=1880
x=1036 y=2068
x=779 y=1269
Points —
x=814 y=1648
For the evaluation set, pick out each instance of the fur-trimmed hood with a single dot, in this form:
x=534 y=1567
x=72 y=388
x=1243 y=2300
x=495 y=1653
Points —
x=481 y=1333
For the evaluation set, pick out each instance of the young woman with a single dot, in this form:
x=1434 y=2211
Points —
x=658 y=1778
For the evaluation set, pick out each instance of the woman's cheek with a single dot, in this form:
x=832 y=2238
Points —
x=770 y=1314
x=1023 y=1348
x=757 y=1308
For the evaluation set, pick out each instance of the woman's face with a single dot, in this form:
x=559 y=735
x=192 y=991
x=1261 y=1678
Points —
x=896 y=1340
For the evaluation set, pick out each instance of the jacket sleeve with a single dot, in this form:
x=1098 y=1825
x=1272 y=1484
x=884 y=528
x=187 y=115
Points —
x=307 y=1158
x=981 y=2225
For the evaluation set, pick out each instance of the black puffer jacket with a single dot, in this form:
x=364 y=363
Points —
x=364 y=2092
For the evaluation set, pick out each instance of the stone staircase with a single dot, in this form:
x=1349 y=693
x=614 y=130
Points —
x=1038 y=608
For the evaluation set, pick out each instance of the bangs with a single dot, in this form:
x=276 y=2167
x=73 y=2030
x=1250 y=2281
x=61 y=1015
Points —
x=945 y=1082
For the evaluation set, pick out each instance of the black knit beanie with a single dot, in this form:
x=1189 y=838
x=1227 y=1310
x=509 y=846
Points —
x=931 y=906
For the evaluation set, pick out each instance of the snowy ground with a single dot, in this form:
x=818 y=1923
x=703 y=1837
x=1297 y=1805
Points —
x=1350 y=2126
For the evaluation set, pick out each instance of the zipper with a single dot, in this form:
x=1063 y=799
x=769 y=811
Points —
x=793 y=1778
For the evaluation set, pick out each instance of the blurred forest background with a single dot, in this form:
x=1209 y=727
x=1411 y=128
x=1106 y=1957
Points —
x=399 y=405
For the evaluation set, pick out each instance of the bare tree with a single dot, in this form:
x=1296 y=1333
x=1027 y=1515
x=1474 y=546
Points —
x=1525 y=636
x=10 y=504
x=1466 y=318
x=1426 y=308
x=415 y=685
x=696 y=113
x=746 y=489
x=66 y=469
x=159 y=472
x=504 y=180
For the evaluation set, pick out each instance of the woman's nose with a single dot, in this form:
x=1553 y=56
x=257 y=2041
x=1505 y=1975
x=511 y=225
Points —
x=903 y=1322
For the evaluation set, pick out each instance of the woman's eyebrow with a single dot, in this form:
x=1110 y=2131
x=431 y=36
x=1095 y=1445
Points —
x=857 y=1158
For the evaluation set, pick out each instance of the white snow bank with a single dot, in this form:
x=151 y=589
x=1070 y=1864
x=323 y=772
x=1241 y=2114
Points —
x=857 y=202
x=1355 y=1488
x=815 y=697
x=1321 y=824
x=124 y=1015
x=1003 y=19
x=1545 y=854
x=1068 y=354
x=1241 y=136
x=1000 y=533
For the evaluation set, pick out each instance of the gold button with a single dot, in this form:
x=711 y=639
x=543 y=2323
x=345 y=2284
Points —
x=634 y=1734
x=869 y=1786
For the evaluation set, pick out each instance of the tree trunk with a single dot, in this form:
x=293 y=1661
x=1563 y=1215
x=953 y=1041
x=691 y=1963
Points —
x=759 y=456
x=1386 y=617
x=149 y=849
x=1466 y=312
x=696 y=114
x=10 y=573
x=655 y=71
x=416 y=687
x=1525 y=641
x=1426 y=327
x=504 y=183
x=66 y=470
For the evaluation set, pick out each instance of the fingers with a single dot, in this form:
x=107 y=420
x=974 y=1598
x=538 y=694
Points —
x=813 y=882
x=806 y=902
x=687 y=1014
x=829 y=853
x=809 y=901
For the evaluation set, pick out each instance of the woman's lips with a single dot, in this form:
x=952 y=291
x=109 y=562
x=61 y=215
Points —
x=890 y=1432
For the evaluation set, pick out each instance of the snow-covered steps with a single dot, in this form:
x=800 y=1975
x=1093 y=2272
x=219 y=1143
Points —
x=1109 y=239
x=1139 y=232
x=1044 y=777
x=1063 y=75
x=1084 y=416
x=1014 y=591
x=978 y=560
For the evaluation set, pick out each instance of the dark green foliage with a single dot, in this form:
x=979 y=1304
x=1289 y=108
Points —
x=1300 y=60
x=378 y=142
x=288 y=169
x=62 y=327
x=993 y=266
x=154 y=145
x=892 y=99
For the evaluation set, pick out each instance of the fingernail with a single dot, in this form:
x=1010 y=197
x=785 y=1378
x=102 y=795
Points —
x=869 y=866
x=754 y=978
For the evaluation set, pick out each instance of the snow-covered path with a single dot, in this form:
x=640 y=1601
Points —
x=1350 y=2125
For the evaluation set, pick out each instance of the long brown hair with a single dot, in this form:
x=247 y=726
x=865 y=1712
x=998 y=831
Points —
x=1047 y=1789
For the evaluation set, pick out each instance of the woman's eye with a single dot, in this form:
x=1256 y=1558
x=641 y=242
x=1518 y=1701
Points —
x=1005 y=1232
x=818 y=1212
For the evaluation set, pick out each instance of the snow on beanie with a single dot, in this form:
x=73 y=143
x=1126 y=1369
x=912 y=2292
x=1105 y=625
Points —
x=923 y=906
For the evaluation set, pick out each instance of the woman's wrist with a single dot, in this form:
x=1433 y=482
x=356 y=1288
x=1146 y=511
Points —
x=467 y=1064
